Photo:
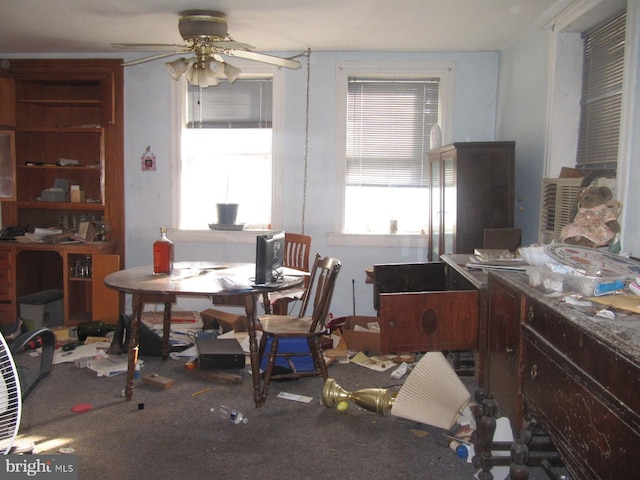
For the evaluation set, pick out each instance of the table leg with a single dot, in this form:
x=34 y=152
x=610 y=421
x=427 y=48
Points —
x=166 y=330
x=252 y=324
x=133 y=345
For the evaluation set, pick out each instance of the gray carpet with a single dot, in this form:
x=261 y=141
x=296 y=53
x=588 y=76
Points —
x=175 y=436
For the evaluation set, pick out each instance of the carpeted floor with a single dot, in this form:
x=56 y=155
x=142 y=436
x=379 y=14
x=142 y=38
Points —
x=176 y=436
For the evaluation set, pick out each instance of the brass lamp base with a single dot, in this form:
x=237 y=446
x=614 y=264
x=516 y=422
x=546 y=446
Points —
x=378 y=400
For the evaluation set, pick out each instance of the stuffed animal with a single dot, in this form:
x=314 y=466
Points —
x=596 y=222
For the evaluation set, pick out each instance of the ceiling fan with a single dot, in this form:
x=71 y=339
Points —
x=205 y=35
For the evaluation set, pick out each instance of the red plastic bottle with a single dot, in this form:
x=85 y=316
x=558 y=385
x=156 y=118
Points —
x=163 y=254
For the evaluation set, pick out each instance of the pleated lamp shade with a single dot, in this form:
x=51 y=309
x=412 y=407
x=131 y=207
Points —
x=432 y=393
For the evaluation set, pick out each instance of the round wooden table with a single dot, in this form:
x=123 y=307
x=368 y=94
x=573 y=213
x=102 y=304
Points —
x=194 y=279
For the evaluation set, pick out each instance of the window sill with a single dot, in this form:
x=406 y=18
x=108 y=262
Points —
x=214 y=236
x=372 y=240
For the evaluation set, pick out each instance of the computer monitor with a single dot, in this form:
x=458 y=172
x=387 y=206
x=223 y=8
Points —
x=269 y=257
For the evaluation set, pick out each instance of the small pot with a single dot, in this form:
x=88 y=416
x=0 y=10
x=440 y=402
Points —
x=227 y=213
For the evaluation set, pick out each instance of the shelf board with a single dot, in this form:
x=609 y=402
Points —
x=95 y=129
x=61 y=205
x=92 y=168
x=61 y=102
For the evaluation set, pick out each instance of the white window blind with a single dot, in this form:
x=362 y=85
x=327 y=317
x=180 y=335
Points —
x=388 y=127
x=603 y=64
x=247 y=103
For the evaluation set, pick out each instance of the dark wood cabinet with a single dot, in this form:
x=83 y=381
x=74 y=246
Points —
x=575 y=374
x=66 y=117
x=586 y=393
x=471 y=187
x=7 y=103
x=504 y=349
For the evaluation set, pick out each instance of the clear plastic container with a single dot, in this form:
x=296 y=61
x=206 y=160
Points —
x=566 y=282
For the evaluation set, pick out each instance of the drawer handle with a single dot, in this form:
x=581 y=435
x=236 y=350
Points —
x=530 y=314
x=510 y=350
x=392 y=324
x=534 y=372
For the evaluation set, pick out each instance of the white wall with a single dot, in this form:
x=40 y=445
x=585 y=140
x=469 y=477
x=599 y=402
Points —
x=147 y=195
x=522 y=117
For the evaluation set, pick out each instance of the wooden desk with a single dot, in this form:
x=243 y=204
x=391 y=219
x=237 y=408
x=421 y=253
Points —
x=26 y=268
x=195 y=279
x=576 y=374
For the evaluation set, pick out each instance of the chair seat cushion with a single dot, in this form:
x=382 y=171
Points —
x=286 y=325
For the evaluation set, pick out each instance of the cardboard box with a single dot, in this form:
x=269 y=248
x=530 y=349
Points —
x=53 y=195
x=365 y=341
x=212 y=319
x=61 y=333
x=77 y=196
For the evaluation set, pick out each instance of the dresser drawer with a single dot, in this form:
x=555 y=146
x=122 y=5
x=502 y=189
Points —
x=429 y=321
x=601 y=362
x=595 y=435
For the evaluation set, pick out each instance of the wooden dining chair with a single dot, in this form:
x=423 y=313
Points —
x=297 y=248
x=307 y=329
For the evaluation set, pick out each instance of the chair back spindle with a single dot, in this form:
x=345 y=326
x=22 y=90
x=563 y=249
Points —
x=296 y=251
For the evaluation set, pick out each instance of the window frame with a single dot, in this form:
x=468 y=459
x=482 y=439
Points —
x=445 y=71
x=178 y=94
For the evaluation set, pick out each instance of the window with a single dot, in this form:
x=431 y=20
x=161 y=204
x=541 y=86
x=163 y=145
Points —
x=388 y=119
x=601 y=101
x=226 y=152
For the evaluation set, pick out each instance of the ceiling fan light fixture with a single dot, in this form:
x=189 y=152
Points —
x=205 y=35
x=215 y=66
x=231 y=72
x=177 y=67
x=202 y=77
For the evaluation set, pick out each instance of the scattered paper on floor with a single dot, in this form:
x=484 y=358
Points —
x=379 y=363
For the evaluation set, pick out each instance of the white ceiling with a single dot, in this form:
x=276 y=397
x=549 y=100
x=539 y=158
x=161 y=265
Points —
x=81 y=26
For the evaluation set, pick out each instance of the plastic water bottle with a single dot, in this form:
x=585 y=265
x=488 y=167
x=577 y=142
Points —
x=234 y=416
x=462 y=450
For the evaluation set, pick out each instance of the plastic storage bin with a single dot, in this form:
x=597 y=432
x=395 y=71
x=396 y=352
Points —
x=565 y=282
x=299 y=345
x=44 y=308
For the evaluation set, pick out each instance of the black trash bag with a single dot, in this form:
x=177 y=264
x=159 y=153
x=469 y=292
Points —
x=149 y=342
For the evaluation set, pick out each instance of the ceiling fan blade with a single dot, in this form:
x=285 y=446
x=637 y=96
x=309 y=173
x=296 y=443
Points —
x=228 y=44
x=261 y=57
x=154 y=47
x=153 y=57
